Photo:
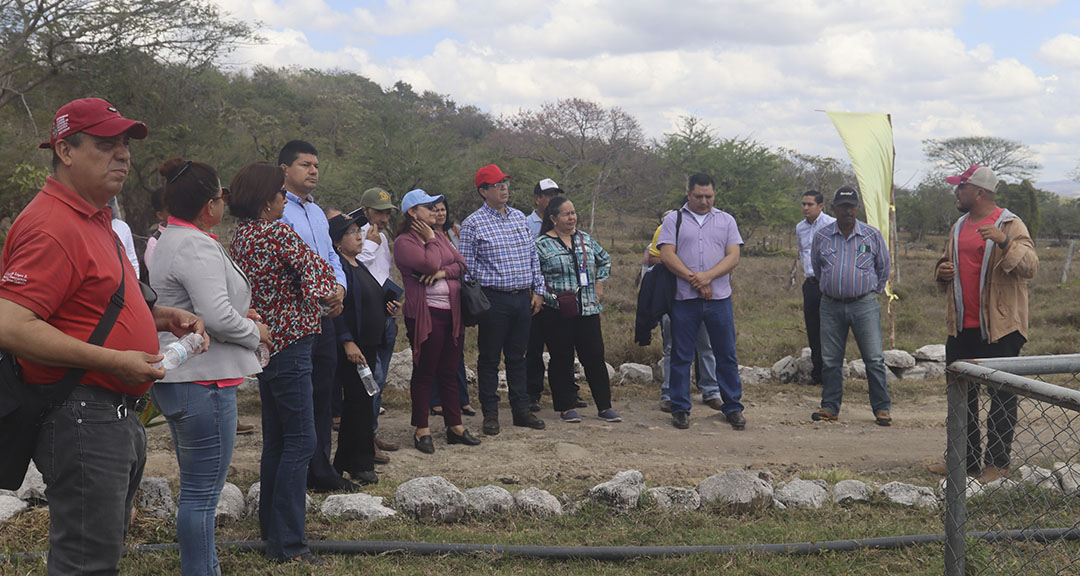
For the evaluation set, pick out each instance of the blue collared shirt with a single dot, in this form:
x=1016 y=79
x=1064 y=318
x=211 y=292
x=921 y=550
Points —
x=805 y=232
x=499 y=250
x=853 y=266
x=309 y=221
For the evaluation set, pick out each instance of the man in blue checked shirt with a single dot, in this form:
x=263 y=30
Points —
x=300 y=162
x=501 y=256
x=851 y=263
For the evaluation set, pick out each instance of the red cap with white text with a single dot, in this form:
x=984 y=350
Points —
x=93 y=116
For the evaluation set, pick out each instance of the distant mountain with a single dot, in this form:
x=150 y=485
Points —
x=1066 y=188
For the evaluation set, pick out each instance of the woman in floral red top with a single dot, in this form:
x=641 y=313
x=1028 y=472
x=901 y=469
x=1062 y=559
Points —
x=287 y=280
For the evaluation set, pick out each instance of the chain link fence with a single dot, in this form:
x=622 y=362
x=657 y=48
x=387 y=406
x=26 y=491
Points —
x=1019 y=417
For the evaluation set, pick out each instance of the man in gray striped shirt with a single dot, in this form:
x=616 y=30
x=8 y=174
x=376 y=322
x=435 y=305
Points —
x=851 y=263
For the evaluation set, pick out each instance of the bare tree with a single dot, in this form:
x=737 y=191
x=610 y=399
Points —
x=581 y=140
x=1008 y=158
x=40 y=39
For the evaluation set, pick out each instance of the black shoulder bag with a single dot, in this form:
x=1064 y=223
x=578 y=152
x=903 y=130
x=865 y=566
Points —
x=23 y=405
x=474 y=304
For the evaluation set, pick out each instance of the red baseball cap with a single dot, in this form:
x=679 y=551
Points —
x=489 y=174
x=94 y=116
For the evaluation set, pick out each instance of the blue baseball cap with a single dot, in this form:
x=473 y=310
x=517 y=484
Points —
x=416 y=198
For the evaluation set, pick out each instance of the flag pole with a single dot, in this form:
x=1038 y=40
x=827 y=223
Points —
x=895 y=271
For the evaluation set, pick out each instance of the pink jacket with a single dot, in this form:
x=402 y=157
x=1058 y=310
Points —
x=411 y=254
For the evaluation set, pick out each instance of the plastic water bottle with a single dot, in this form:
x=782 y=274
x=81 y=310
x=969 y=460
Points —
x=263 y=354
x=178 y=352
x=368 y=378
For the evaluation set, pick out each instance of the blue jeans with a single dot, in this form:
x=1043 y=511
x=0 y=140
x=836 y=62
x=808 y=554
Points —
x=202 y=420
x=91 y=455
x=288 y=425
x=706 y=364
x=382 y=366
x=504 y=330
x=863 y=316
x=718 y=317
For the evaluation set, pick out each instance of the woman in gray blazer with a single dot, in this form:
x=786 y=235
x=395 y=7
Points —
x=192 y=271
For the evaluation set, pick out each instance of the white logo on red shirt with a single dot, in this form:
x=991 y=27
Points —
x=12 y=277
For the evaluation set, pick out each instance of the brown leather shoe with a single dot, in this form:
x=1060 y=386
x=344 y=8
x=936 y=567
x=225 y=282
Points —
x=244 y=428
x=387 y=446
x=992 y=473
x=380 y=457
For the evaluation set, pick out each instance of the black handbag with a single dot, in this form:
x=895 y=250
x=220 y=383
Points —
x=23 y=405
x=474 y=304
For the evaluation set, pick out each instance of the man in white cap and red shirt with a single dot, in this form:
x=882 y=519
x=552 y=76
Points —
x=989 y=258
x=59 y=276
x=501 y=255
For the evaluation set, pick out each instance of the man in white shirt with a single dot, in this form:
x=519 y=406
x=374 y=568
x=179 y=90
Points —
x=812 y=205
x=376 y=257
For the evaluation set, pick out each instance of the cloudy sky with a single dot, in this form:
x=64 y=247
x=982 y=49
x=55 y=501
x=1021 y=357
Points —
x=757 y=68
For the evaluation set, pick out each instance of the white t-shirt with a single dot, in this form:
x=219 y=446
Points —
x=376 y=257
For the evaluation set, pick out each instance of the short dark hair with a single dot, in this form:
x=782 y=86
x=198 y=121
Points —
x=700 y=179
x=552 y=209
x=253 y=187
x=188 y=186
x=818 y=197
x=74 y=139
x=294 y=148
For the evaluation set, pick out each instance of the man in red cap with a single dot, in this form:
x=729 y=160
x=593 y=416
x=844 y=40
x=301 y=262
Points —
x=61 y=265
x=501 y=256
x=989 y=258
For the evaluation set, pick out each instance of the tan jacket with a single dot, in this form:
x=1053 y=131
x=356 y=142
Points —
x=1003 y=295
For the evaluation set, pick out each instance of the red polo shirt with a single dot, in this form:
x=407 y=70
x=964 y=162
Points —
x=60 y=262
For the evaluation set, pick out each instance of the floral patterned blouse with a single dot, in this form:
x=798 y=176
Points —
x=287 y=278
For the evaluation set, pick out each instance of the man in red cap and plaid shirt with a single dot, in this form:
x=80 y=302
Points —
x=61 y=266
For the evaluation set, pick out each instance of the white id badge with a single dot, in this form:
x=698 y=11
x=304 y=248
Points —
x=583 y=277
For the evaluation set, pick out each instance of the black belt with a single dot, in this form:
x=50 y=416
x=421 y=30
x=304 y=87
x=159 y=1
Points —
x=510 y=292
x=812 y=280
x=844 y=300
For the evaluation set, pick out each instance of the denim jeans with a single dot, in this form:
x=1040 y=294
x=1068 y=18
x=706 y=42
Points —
x=91 y=456
x=382 y=366
x=718 y=317
x=863 y=316
x=705 y=368
x=505 y=330
x=202 y=420
x=288 y=425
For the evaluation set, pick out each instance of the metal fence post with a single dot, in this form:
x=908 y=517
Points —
x=956 y=485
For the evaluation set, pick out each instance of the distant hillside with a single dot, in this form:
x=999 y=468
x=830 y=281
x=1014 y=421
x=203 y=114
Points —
x=1066 y=188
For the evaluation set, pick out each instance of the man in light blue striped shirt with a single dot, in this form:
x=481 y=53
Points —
x=813 y=205
x=501 y=255
x=851 y=263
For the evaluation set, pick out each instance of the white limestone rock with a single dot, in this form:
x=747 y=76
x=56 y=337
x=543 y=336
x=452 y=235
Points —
x=489 y=500
x=155 y=498
x=254 y=494
x=621 y=492
x=785 y=369
x=1041 y=477
x=848 y=492
x=33 y=486
x=675 y=499
x=231 y=505
x=737 y=491
x=362 y=507
x=537 y=502
x=430 y=499
x=898 y=359
x=933 y=369
x=932 y=352
x=916 y=372
x=633 y=372
x=611 y=374
x=910 y=495
x=10 y=507
x=754 y=375
x=973 y=488
x=1068 y=476
x=858 y=369
x=399 y=372
x=801 y=493
x=250 y=384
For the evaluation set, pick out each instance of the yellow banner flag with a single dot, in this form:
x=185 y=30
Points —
x=869 y=142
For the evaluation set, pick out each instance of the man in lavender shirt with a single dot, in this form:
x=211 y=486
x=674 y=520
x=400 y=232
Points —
x=700 y=245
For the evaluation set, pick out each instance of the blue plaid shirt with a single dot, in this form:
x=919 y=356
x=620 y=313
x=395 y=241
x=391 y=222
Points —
x=499 y=250
x=853 y=266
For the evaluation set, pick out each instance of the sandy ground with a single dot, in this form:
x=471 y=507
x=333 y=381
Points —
x=779 y=437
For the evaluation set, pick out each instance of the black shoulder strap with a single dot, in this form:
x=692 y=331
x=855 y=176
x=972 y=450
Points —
x=678 y=224
x=101 y=332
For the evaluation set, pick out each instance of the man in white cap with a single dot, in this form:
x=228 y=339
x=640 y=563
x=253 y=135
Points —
x=989 y=258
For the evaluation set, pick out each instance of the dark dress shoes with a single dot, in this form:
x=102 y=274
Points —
x=365 y=477
x=338 y=484
x=424 y=444
x=680 y=420
x=737 y=421
x=528 y=420
x=468 y=411
x=465 y=438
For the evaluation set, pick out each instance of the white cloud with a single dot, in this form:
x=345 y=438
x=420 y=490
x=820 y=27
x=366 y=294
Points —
x=1062 y=51
x=1028 y=4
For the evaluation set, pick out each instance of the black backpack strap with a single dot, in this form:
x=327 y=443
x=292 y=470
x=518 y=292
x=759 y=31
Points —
x=63 y=388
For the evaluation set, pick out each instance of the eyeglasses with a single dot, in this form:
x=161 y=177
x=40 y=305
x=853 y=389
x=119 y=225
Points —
x=352 y=232
x=224 y=195
x=504 y=185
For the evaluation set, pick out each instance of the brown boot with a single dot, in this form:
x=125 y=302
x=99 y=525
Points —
x=380 y=456
x=992 y=473
x=387 y=446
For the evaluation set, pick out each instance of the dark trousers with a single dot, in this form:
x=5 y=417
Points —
x=356 y=437
x=323 y=371
x=581 y=333
x=91 y=454
x=534 y=357
x=288 y=441
x=437 y=365
x=1001 y=419
x=505 y=330
x=462 y=382
x=811 y=298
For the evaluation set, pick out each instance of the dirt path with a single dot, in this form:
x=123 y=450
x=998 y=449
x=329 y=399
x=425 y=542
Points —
x=779 y=437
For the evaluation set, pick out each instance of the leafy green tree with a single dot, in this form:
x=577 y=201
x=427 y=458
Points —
x=1023 y=200
x=928 y=209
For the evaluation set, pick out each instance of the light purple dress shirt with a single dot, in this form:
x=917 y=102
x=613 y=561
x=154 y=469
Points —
x=700 y=247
